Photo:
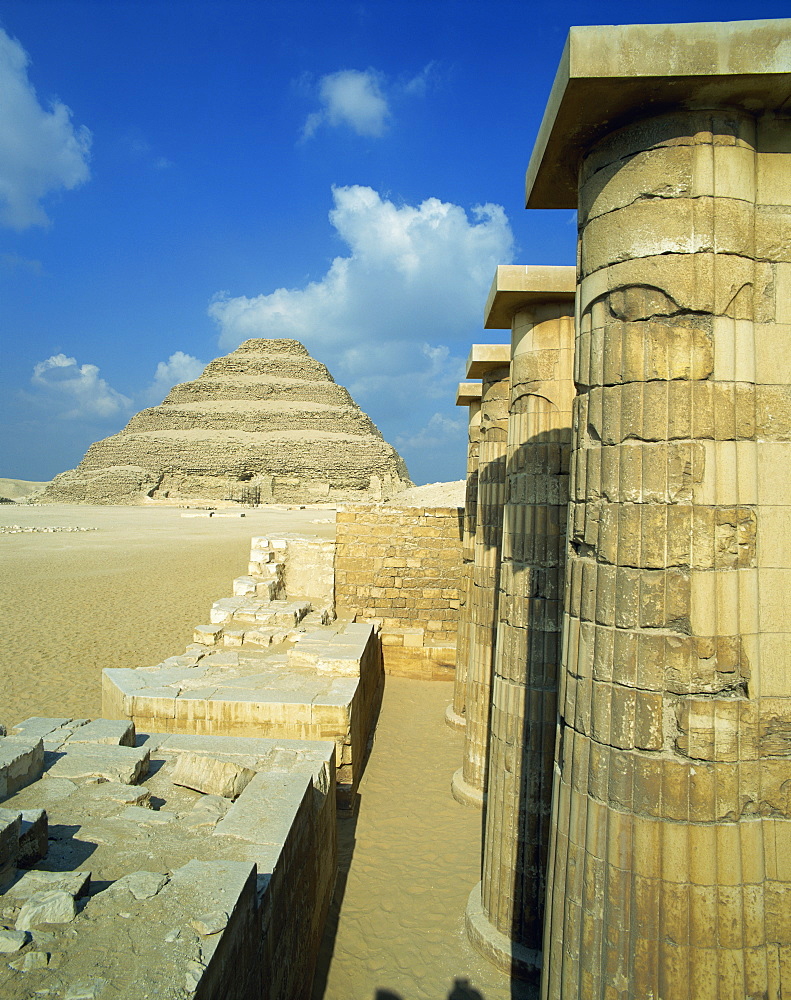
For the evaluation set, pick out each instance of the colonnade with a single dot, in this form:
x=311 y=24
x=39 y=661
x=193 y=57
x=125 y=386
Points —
x=638 y=822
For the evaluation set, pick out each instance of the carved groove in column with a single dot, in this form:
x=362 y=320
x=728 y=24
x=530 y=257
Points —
x=468 y=784
x=455 y=716
x=669 y=873
x=505 y=920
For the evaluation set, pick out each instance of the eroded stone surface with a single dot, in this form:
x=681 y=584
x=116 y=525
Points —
x=666 y=876
x=266 y=423
x=493 y=367
x=172 y=908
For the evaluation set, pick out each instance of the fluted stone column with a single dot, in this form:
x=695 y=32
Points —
x=469 y=395
x=506 y=909
x=670 y=863
x=491 y=364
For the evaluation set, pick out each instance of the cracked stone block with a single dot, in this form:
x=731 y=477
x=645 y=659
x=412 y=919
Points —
x=209 y=775
x=33 y=843
x=142 y=885
x=110 y=763
x=210 y=923
x=53 y=907
x=21 y=762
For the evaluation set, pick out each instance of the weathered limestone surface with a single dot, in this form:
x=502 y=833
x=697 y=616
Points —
x=469 y=395
x=264 y=668
x=153 y=889
x=506 y=910
x=669 y=869
x=401 y=567
x=266 y=423
x=490 y=363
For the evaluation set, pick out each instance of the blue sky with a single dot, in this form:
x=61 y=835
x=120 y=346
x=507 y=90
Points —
x=178 y=176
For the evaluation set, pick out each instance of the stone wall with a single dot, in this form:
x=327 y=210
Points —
x=403 y=566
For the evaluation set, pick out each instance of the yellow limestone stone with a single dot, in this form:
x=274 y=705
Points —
x=505 y=910
x=669 y=871
x=490 y=363
x=469 y=395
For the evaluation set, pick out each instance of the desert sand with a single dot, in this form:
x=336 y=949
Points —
x=128 y=594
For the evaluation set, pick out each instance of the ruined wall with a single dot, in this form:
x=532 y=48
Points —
x=404 y=567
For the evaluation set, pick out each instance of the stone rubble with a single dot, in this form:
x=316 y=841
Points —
x=169 y=909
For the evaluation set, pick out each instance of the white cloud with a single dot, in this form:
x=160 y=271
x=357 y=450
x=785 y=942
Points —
x=351 y=97
x=179 y=367
x=16 y=262
x=395 y=317
x=439 y=432
x=413 y=274
x=418 y=84
x=40 y=150
x=75 y=392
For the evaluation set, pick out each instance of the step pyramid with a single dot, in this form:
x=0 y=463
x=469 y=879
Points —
x=264 y=424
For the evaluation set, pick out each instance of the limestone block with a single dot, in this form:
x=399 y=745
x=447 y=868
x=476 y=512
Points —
x=10 y=830
x=110 y=763
x=208 y=635
x=53 y=907
x=264 y=811
x=212 y=776
x=222 y=611
x=12 y=941
x=116 y=733
x=244 y=585
x=33 y=842
x=21 y=762
x=39 y=727
x=142 y=885
x=33 y=882
x=31 y=960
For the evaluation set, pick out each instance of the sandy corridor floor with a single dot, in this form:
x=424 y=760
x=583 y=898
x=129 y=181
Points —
x=129 y=594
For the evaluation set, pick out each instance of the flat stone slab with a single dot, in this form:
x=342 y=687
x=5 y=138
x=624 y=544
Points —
x=242 y=691
x=168 y=898
x=114 y=732
x=32 y=882
x=110 y=763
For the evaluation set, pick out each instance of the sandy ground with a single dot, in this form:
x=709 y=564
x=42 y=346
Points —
x=129 y=594
x=408 y=861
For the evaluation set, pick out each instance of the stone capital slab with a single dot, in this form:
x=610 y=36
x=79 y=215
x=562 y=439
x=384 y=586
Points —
x=468 y=393
x=483 y=357
x=612 y=75
x=518 y=286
